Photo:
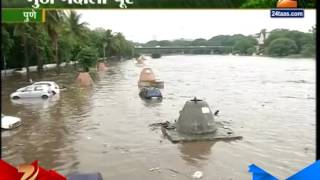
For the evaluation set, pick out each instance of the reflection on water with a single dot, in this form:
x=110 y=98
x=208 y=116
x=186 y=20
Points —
x=195 y=152
x=270 y=102
x=152 y=102
x=36 y=103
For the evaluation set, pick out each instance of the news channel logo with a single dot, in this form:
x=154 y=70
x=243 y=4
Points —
x=287 y=9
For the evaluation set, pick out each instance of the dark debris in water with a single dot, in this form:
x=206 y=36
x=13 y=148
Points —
x=166 y=125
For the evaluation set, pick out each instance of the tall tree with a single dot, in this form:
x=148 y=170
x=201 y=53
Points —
x=75 y=34
x=54 y=23
x=23 y=30
x=108 y=38
x=74 y=26
x=282 y=47
x=39 y=42
x=7 y=44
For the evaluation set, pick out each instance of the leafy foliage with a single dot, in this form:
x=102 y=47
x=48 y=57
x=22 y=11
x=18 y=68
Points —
x=60 y=39
x=156 y=55
x=87 y=58
x=244 y=47
x=260 y=4
x=7 y=41
x=282 y=47
x=240 y=43
x=304 y=43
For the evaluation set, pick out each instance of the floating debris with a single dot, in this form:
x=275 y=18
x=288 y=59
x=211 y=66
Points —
x=197 y=175
x=155 y=169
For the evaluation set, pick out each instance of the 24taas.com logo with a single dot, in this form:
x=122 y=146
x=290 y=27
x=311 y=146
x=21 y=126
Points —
x=287 y=9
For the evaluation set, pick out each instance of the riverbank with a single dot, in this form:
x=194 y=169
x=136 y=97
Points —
x=22 y=71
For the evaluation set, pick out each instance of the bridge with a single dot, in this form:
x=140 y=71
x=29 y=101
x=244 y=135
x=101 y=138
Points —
x=184 y=50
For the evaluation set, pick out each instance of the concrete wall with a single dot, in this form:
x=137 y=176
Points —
x=34 y=68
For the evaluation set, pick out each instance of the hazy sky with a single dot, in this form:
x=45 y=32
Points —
x=146 y=25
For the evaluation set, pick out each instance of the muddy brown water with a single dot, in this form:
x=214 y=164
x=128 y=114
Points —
x=270 y=102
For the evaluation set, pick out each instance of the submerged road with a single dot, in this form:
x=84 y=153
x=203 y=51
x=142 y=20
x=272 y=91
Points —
x=270 y=102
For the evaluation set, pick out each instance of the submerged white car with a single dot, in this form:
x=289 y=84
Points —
x=32 y=91
x=10 y=122
x=52 y=86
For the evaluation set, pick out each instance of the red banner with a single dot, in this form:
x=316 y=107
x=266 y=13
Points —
x=27 y=172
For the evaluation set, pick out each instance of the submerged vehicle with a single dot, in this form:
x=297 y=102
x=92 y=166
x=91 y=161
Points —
x=197 y=123
x=150 y=92
x=10 y=122
x=53 y=87
x=32 y=91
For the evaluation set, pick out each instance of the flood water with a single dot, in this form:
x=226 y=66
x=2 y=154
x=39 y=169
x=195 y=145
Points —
x=270 y=102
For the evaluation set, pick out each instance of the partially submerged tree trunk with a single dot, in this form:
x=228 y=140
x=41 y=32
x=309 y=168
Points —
x=56 y=57
x=39 y=58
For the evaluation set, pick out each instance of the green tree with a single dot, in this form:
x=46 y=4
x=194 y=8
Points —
x=308 y=50
x=259 y=4
x=251 y=51
x=97 y=41
x=180 y=42
x=108 y=42
x=282 y=47
x=152 y=43
x=75 y=27
x=75 y=35
x=87 y=58
x=307 y=3
x=54 y=23
x=164 y=43
x=221 y=40
x=301 y=39
x=199 y=42
x=23 y=32
x=38 y=39
x=7 y=43
x=242 y=46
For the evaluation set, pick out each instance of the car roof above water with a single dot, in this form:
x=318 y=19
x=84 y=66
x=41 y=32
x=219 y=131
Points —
x=150 y=88
x=45 y=82
x=37 y=86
